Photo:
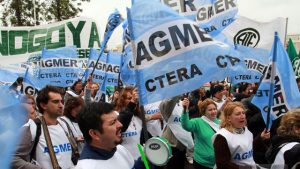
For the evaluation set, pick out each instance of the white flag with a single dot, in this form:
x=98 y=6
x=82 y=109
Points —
x=251 y=33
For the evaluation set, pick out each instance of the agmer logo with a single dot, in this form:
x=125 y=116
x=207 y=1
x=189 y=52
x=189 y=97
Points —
x=247 y=37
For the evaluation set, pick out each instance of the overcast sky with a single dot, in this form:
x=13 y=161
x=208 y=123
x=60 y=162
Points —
x=260 y=10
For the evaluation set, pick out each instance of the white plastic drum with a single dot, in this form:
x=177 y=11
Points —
x=158 y=151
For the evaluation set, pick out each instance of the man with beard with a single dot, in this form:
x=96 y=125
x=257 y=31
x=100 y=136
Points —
x=102 y=132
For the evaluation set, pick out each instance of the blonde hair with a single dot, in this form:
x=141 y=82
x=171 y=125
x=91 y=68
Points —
x=227 y=111
x=202 y=105
x=288 y=122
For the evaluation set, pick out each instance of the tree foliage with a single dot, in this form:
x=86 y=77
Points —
x=21 y=13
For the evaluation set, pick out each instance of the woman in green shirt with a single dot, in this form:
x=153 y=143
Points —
x=203 y=129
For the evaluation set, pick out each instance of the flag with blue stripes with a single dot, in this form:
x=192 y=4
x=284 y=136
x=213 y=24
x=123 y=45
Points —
x=12 y=117
x=114 y=20
x=172 y=55
x=285 y=95
x=8 y=76
x=108 y=67
x=127 y=71
x=59 y=67
x=211 y=15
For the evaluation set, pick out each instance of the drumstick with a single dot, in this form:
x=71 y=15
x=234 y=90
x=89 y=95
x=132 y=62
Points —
x=143 y=156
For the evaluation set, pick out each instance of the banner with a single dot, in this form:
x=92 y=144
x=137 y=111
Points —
x=254 y=40
x=59 y=67
x=211 y=15
x=172 y=55
x=286 y=95
x=107 y=68
x=295 y=59
x=21 y=43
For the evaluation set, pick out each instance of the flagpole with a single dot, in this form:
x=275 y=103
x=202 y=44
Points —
x=273 y=71
x=286 y=25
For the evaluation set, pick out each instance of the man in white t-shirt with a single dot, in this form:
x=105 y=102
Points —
x=102 y=132
x=49 y=102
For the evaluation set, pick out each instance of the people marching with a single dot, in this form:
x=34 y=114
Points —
x=162 y=103
x=90 y=133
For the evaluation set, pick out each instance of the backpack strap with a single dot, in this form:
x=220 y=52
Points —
x=51 y=152
x=70 y=136
x=37 y=121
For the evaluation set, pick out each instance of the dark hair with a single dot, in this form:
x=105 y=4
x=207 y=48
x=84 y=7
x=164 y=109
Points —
x=243 y=87
x=122 y=98
x=73 y=86
x=70 y=104
x=19 y=80
x=90 y=117
x=43 y=96
x=216 y=88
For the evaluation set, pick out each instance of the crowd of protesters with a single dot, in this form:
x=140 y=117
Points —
x=216 y=126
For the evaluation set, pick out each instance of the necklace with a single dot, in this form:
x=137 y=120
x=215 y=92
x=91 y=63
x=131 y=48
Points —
x=239 y=130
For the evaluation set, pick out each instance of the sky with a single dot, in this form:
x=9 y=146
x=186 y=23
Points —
x=260 y=10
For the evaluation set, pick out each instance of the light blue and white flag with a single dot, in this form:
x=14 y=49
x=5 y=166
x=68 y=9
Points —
x=211 y=15
x=59 y=67
x=127 y=69
x=254 y=40
x=31 y=84
x=8 y=76
x=108 y=67
x=256 y=63
x=12 y=117
x=172 y=55
x=285 y=95
x=114 y=20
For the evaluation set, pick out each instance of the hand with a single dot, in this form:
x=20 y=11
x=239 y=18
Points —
x=265 y=134
x=90 y=78
x=80 y=139
x=135 y=96
x=81 y=94
x=185 y=103
x=228 y=100
x=148 y=117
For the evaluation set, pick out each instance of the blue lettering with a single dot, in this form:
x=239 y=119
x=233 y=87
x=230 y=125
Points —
x=56 y=149
x=63 y=147
x=152 y=111
x=46 y=150
x=237 y=157
x=129 y=134
x=244 y=156
x=59 y=148
x=177 y=119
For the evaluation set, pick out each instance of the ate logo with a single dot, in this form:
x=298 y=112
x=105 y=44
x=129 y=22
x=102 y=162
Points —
x=247 y=37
